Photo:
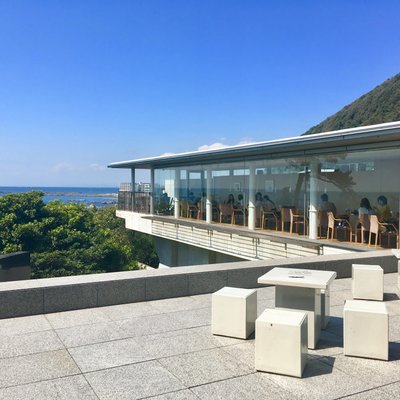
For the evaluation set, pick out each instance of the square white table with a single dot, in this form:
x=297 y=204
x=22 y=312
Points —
x=300 y=289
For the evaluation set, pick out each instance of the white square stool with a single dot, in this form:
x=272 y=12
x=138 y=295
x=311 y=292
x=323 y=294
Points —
x=366 y=329
x=367 y=282
x=281 y=342
x=233 y=312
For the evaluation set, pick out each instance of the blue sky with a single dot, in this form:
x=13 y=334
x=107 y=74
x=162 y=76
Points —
x=86 y=83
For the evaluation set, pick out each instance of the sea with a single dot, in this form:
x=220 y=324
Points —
x=88 y=196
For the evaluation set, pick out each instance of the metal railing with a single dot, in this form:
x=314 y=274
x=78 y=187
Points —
x=134 y=201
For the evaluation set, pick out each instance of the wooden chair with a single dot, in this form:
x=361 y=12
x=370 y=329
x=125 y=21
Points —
x=362 y=227
x=184 y=209
x=268 y=215
x=377 y=228
x=226 y=211
x=333 y=224
x=238 y=213
x=285 y=218
x=296 y=220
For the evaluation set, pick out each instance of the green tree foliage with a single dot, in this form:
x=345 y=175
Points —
x=69 y=239
x=380 y=105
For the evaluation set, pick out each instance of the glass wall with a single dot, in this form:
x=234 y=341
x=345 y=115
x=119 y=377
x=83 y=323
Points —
x=345 y=178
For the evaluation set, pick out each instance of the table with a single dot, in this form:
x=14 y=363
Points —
x=300 y=289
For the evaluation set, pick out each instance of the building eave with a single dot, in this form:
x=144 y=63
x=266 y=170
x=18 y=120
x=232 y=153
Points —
x=387 y=134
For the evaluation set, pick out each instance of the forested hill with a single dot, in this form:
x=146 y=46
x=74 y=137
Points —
x=380 y=105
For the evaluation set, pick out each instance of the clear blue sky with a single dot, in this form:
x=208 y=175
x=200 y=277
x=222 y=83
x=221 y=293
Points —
x=86 y=83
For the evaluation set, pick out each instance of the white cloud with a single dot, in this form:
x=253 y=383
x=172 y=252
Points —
x=62 y=167
x=247 y=140
x=213 y=146
x=167 y=154
x=97 y=167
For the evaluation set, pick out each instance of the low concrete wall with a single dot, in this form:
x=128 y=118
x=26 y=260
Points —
x=77 y=292
x=15 y=266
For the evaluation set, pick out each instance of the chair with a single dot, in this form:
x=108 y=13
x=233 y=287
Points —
x=184 y=209
x=226 y=211
x=362 y=227
x=296 y=220
x=285 y=218
x=377 y=228
x=333 y=224
x=193 y=211
x=239 y=212
x=268 y=215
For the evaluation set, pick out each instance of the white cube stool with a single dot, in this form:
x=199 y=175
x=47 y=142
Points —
x=281 y=342
x=313 y=327
x=366 y=329
x=234 y=312
x=367 y=282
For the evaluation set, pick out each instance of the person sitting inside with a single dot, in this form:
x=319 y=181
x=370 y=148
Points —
x=231 y=200
x=268 y=204
x=326 y=205
x=383 y=211
x=363 y=219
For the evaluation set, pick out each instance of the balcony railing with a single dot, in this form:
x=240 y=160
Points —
x=134 y=201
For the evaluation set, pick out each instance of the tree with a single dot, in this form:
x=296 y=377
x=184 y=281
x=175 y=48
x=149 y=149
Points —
x=69 y=239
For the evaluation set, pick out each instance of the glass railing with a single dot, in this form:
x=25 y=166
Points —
x=134 y=201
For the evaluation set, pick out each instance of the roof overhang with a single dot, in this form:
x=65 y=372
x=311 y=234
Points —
x=361 y=138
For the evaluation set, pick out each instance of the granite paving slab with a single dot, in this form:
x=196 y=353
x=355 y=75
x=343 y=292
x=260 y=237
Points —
x=67 y=319
x=135 y=381
x=321 y=380
x=81 y=335
x=36 y=367
x=180 y=395
x=20 y=325
x=29 y=343
x=249 y=387
x=69 y=388
x=204 y=367
x=127 y=311
x=174 y=343
x=150 y=324
x=375 y=372
x=109 y=354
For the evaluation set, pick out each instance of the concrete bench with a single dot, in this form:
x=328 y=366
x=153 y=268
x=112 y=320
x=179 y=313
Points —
x=233 y=312
x=366 y=329
x=281 y=342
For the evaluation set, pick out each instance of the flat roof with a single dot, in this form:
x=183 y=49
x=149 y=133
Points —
x=361 y=138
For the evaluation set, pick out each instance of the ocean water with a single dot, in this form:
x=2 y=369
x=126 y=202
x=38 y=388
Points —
x=99 y=197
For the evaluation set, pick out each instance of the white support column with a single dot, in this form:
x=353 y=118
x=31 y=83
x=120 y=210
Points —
x=133 y=181
x=313 y=211
x=152 y=191
x=209 y=194
x=176 y=193
x=252 y=198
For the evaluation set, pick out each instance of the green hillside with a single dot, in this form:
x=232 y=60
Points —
x=381 y=104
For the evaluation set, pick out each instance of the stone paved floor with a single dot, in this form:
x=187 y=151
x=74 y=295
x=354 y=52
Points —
x=164 y=350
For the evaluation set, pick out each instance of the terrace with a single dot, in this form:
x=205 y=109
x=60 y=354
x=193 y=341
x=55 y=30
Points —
x=162 y=348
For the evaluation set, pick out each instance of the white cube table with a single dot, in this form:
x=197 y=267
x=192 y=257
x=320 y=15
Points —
x=367 y=282
x=300 y=290
x=281 y=342
x=234 y=312
x=366 y=329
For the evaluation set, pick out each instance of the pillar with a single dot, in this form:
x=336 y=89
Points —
x=152 y=191
x=176 y=193
x=313 y=211
x=208 y=196
x=133 y=182
x=252 y=198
